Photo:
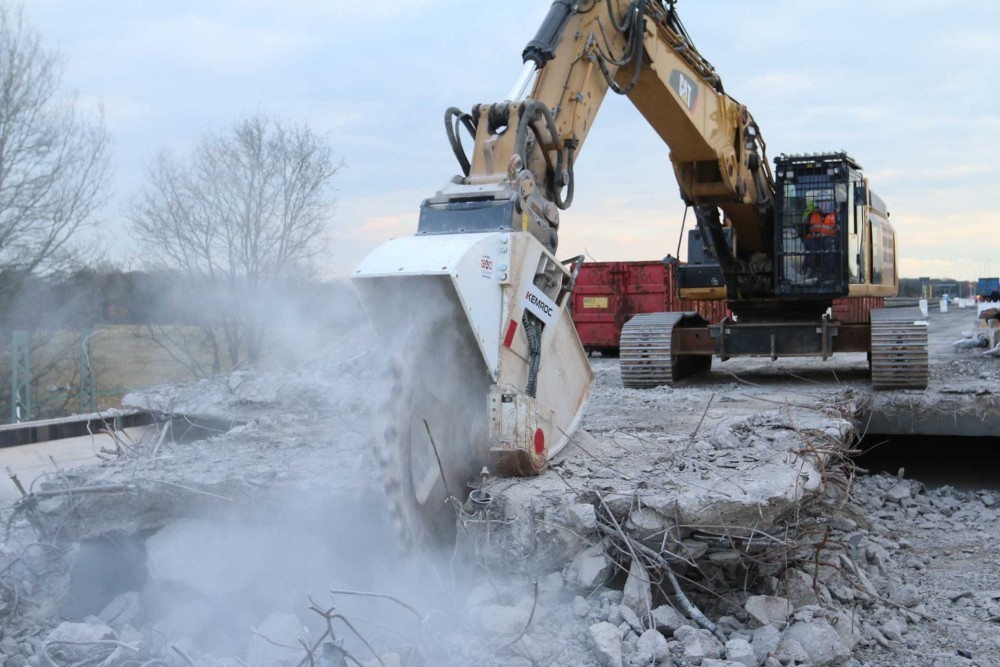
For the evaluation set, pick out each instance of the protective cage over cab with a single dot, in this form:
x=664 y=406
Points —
x=820 y=225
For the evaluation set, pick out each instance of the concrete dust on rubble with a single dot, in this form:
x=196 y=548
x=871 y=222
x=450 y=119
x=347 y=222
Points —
x=715 y=524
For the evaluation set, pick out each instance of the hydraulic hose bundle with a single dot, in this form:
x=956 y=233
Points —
x=533 y=332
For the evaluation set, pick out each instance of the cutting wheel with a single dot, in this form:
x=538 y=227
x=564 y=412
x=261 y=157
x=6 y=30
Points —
x=431 y=434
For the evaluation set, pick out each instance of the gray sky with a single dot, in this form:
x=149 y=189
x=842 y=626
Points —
x=909 y=87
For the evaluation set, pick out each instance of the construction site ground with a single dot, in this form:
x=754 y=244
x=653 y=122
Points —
x=716 y=523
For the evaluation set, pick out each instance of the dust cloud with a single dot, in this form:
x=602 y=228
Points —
x=249 y=582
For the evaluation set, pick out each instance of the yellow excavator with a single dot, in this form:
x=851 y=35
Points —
x=487 y=369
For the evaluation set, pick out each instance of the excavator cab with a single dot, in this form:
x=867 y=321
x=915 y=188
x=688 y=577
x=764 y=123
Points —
x=813 y=218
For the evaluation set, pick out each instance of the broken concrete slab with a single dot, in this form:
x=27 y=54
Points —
x=757 y=487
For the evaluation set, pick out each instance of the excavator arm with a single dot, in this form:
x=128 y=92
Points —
x=487 y=367
x=525 y=147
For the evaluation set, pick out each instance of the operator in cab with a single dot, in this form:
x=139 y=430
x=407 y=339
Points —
x=820 y=239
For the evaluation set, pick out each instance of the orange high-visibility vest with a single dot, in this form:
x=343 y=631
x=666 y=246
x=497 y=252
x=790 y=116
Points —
x=822 y=225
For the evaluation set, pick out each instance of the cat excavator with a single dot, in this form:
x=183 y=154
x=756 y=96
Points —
x=486 y=366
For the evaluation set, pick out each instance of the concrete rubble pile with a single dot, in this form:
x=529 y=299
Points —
x=987 y=335
x=865 y=604
x=847 y=589
x=717 y=526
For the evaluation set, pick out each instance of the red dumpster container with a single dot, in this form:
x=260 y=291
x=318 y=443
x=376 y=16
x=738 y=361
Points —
x=608 y=294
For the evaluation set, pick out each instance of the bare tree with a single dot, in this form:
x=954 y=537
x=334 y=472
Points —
x=54 y=163
x=54 y=176
x=246 y=211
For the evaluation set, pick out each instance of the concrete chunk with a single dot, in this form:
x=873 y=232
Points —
x=899 y=492
x=791 y=652
x=646 y=522
x=582 y=517
x=765 y=642
x=632 y=619
x=740 y=651
x=698 y=644
x=820 y=641
x=638 y=594
x=607 y=644
x=666 y=619
x=73 y=642
x=589 y=569
x=650 y=649
x=768 y=609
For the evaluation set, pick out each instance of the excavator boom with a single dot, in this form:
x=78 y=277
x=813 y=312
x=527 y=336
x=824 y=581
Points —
x=487 y=366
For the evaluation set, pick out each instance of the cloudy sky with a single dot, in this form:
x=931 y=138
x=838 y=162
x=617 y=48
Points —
x=909 y=87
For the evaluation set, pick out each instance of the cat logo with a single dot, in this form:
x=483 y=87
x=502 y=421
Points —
x=685 y=87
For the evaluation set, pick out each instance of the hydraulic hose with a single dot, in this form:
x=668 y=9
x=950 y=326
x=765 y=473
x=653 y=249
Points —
x=454 y=117
x=576 y=263
x=620 y=27
x=561 y=203
x=533 y=332
x=529 y=114
x=638 y=11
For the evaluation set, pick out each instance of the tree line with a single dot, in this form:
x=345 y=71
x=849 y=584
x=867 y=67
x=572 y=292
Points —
x=221 y=230
x=91 y=297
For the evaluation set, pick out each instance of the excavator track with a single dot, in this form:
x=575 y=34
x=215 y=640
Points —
x=646 y=353
x=898 y=349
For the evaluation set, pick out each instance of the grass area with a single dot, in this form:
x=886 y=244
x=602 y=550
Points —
x=126 y=357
